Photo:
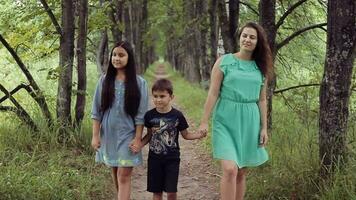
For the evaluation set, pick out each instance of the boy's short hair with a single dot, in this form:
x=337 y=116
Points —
x=163 y=85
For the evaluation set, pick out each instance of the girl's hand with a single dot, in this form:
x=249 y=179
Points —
x=135 y=145
x=203 y=129
x=95 y=142
x=263 y=138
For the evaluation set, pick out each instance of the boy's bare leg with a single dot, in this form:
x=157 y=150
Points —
x=114 y=178
x=157 y=196
x=124 y=180
x=171 y=196
x=228 y=180
x=241 y=183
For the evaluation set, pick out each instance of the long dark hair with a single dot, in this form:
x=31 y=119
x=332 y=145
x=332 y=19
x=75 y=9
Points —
x=132 y=92
x=262 y=53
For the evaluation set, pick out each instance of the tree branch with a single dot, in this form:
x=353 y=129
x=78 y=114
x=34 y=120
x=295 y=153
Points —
x=36 y=93
x=250 y=7
x=16 y=89
x=52 y=17
x=295 y=87
x=297 y=33
x=18 y=109
x=289 y=11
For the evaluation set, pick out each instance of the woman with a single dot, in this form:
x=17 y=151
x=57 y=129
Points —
x=238 y=93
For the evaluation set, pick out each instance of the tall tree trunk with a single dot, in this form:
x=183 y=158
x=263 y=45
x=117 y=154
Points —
x=66 y=55
x=143 y=30
x=335 y=88
x=127 y=20
x=228 y=27
x=115 y=15
x=102 y=53
x=267 y=9
x=214 y=28
x=81 y=56
x=191 y=70
x=202 y=38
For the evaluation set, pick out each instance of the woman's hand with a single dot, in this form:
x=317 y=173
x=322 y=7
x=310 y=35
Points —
x=263 y=138
x=135 y=145
x=95 y=142
x=203 y=129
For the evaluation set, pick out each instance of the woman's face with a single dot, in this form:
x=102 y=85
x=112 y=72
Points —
x=119 y=58
x=248 y=39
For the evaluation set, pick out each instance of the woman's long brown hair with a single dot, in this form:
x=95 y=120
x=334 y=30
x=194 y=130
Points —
x=262 y=54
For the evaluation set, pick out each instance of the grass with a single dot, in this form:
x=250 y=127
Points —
x=38 y=167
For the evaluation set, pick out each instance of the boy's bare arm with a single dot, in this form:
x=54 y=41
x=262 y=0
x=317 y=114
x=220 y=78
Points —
x=147 y=137
x=192 y=135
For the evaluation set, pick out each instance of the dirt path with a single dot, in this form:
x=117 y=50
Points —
x=197 y=177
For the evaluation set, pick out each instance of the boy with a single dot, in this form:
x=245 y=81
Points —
x=163 y=124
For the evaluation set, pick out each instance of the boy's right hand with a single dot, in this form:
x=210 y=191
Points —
x=95 y=142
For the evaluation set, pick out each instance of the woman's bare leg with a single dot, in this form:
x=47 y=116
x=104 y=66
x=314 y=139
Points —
x=228 y=180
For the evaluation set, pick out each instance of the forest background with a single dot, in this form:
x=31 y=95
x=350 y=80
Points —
x=52 y=53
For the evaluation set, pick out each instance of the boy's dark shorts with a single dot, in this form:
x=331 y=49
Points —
x=162 y=174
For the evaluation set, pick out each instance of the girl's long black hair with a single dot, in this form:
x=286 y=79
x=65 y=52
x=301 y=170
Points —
x=132 y=92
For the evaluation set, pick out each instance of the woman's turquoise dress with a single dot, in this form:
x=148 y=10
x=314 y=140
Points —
x=236 y=117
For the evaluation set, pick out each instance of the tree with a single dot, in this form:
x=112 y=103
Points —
x=81 y=60
x=335 y=87
x=229 y=24
x=267 y=15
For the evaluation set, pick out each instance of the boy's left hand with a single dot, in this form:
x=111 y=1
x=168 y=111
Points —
x=202 y=134
x=135 y=145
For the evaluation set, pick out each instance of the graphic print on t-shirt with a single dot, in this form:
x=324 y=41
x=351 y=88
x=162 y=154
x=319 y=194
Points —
x=164 y=133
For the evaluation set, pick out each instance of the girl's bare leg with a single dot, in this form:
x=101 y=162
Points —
x=114 y=178
x=124 y=180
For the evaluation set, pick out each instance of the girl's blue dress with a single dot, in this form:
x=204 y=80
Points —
x=117 y=128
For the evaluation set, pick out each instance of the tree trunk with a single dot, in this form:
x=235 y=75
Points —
x=102 y=53
x=335 y=88
x=227 y=26
x=143 y=30
x=81 y=56
x=214 y=28
x=202 y=38
x=191 y=69
x=267 y=20
x=115 y=15
x=66 y=54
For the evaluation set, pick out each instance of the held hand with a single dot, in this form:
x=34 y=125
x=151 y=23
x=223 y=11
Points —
x=203 y=129
x=263 y=138
x=135 y=145
x=95 y=142
x=202 y=134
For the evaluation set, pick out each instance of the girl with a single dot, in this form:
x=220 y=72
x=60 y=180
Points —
x=238 y=93
x=120 y=102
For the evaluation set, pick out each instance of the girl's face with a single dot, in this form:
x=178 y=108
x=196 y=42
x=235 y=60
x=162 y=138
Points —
x=119 y=58
x=248 y=39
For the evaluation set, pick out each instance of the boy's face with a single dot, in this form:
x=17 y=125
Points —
x=162 y=99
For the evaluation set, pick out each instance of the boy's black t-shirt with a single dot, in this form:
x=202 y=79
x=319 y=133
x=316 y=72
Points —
x=165 y=128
